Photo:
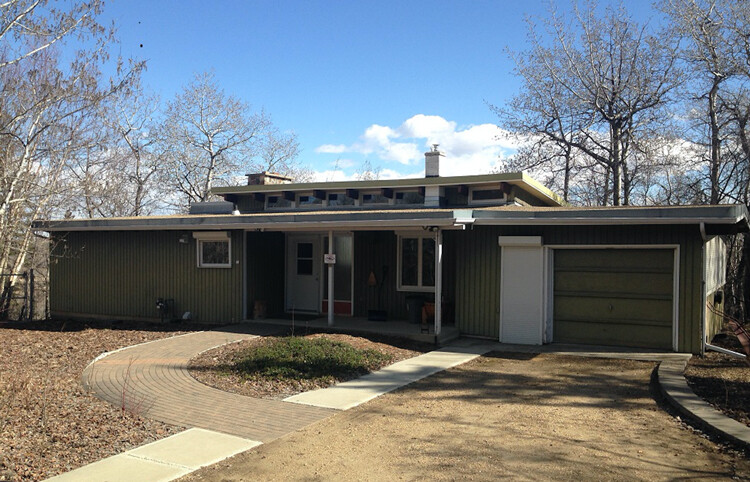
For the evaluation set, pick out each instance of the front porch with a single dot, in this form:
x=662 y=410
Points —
x=362 y=326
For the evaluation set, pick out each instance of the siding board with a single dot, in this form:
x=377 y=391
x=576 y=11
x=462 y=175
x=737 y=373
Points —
x=121 y=274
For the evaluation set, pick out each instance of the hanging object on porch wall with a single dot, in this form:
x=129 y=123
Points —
x=371 y=280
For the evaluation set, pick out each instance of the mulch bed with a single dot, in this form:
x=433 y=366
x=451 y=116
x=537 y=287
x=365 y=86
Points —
x=209 y=367
x=722 y=380
x=48 y=423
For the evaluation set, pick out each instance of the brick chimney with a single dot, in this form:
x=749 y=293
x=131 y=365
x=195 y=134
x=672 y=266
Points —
x=266 y=177
x=432 y=162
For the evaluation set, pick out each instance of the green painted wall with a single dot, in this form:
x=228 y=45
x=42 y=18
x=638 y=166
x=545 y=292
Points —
x=478 y=270
x=121 y=274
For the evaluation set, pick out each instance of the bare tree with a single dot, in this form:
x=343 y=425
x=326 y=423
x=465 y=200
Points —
x=711 y=53
x=45 y=111
x=366 y=172
x=28 y=27
x=209 y=138
x=119 y=173
x=602 y=83
x=277 y=152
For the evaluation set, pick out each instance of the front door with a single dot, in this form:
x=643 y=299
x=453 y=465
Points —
x=303 y=274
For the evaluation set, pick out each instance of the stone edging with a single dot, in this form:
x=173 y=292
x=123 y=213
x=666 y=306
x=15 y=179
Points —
x=676 y=390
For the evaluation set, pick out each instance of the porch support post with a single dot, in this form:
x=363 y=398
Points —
x=330 y=280
x=438 y=281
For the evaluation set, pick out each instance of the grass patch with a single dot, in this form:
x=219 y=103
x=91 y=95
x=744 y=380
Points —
x=298 y=359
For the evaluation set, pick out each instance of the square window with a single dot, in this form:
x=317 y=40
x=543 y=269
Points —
x=214 y=253
x=409 y=197
x=304 y=250
x=374 y=199
x=416 y=258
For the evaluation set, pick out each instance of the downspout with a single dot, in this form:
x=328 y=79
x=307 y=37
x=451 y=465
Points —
x=704 y=237
x=438 y=282
x=330 y=279
x=719 y=349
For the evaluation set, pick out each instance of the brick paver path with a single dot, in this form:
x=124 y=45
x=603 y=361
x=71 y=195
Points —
x=152 y=380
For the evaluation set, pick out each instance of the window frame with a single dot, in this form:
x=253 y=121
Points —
x=420 y=262
x=299 y=204
x=212 y=237
x=486 y=202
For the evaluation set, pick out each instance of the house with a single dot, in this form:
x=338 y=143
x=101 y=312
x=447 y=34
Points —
x=499 y=256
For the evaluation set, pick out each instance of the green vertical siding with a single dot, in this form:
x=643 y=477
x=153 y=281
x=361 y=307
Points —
x=121 y=274
x=265 y=271
x=477 y=282
x=478 y=270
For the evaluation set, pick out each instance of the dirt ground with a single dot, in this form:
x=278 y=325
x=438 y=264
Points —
x=519 y=417
x=723 y=381
x=48 y=423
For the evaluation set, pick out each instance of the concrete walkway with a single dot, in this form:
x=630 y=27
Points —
x=681 y=396
x=163 y=460
x=346 y=395
x=152 y=380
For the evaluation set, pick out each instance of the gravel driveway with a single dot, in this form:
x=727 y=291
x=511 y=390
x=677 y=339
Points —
x=521 y=417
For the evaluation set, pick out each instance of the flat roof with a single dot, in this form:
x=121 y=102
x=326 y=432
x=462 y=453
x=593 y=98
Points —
x=520 y=179
x=373 y=219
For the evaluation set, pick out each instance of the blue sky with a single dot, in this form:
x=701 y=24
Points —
x=356 y=80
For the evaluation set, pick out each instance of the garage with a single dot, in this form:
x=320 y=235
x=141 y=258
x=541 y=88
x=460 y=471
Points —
x=621 y=297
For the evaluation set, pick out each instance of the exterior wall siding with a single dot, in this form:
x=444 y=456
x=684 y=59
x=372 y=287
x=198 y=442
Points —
x=478 y=270
x=121 y=274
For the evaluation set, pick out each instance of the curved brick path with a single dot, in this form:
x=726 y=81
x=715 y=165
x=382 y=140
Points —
x=152 y=379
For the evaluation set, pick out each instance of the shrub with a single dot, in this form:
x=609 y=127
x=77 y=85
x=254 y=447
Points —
x=313 y=359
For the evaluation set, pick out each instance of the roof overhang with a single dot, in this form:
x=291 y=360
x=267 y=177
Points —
x=725 y=215
x=521 y=179
x=280 y=222
x=722 y=219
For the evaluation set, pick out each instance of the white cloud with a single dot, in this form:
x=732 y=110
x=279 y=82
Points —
x=426 y=126
x=343 y=163
x=331 y=149
x=471 y=149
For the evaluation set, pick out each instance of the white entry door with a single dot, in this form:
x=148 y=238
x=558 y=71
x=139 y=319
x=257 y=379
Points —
x=303 y=274
x=521 y=290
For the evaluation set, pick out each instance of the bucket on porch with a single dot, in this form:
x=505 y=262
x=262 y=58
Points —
x=260 y=310
x=414 y=305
